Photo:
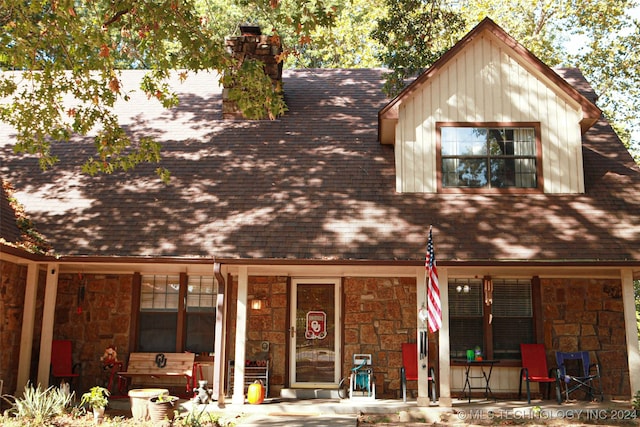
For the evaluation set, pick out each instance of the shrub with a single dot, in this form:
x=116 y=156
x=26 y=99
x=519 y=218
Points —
x=38 y=406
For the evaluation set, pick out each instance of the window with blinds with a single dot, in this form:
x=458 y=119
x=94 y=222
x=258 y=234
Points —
x=489 y=157
x=201 y=314
x=512 y=323
x=159 y=297
x=465 y=316
x=499 y=334
x=160 y=307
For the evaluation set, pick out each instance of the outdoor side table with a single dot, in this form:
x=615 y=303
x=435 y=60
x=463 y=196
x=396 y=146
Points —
x=485 y=368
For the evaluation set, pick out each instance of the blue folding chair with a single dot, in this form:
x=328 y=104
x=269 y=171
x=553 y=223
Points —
x=576 y=373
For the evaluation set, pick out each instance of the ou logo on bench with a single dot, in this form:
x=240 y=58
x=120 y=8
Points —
x=161 y=360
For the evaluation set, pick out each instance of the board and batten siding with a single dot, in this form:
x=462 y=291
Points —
x=503 y=379
x=485 y=83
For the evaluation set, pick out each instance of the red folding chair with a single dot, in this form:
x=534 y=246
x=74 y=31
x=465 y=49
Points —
x=534 y=370
x=62 y=367
x=409 y=370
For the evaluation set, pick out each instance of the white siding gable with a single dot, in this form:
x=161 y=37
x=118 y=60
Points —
x=488 y=82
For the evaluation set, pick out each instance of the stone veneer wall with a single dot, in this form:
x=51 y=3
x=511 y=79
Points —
x=267 y=324
x=12 y=286
x=100 y=320
x=587 y=315
x=379 y=315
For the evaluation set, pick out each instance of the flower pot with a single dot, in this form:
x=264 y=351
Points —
x=140 y=401
x=161 y=408
x=98 y=415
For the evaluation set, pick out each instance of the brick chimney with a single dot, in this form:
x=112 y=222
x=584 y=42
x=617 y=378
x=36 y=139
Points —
x=252 y=44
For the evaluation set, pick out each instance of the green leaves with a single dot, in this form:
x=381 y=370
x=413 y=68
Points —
x=60 y=62
x=256 y=96
x=415 y=33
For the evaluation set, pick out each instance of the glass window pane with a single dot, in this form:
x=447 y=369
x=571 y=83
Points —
x=193 y=300
x=207 y=301
x=466 y=334
x=159 y=301
x=172 y=301
x=201 y=292
x=472 y=172
x=512 y=311
x=464 y=172
x=200 y=332
x=157 y=332
x=146 y=301
x=512 y=299
x=488 y=157
x=463 y=141
x=503 y=174
x=508 y=334
x=449 y=174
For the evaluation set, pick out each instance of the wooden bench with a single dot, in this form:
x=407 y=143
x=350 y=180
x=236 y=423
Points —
x=159 y=365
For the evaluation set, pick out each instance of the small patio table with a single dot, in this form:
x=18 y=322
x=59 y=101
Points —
x=484 y=374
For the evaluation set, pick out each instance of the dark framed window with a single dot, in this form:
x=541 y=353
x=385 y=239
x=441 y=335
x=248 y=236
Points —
x=489 y=157
x=177 y=313
x=201 y=314
x=496 y=315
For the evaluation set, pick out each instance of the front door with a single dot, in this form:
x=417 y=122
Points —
x=315 y=333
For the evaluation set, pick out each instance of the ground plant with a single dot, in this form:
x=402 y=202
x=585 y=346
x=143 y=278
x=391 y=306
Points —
x=54 y=407
x=38 y=405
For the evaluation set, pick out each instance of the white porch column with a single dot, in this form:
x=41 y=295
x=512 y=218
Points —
x=219 y=372
x=28 y=322
x=423 y=365
x=50 y=295
x=241 y=337
x=631 y=329
x=444 y=374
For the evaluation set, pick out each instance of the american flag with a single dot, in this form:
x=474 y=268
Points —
x=433 y=290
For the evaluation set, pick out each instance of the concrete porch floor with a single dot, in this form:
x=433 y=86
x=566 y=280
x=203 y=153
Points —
x=336 y=412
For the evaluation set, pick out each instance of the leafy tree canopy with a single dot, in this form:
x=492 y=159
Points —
x=61 y=60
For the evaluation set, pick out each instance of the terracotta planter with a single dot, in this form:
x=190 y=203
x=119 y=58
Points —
x=161 y=408
x=140 y=401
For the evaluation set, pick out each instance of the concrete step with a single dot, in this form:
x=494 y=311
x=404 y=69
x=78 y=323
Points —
x=308 y=393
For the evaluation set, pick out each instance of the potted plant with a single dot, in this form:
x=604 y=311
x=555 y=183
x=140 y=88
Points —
x=161 y=408
x=97 y=399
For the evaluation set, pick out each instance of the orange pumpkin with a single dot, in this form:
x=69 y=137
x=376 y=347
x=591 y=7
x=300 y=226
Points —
x=255 y=393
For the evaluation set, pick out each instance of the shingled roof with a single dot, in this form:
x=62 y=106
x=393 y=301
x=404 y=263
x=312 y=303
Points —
x=9 y=230
x=314 y=185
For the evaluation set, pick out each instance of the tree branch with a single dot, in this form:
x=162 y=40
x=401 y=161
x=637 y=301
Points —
x=115 y=17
